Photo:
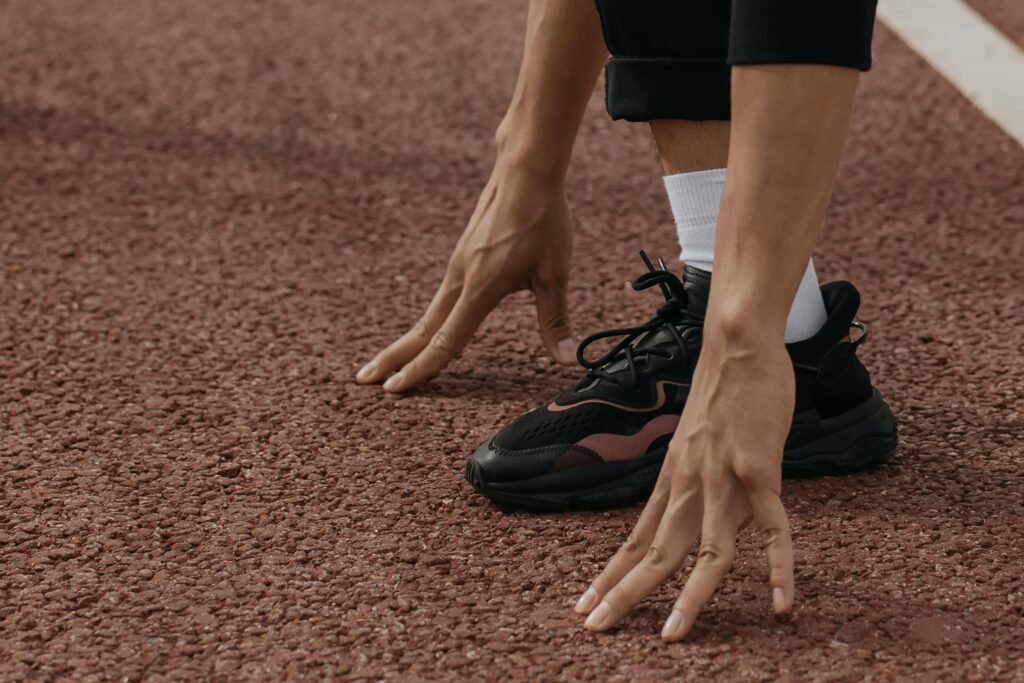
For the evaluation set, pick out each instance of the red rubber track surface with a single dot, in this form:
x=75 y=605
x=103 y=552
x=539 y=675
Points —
x=212 y=213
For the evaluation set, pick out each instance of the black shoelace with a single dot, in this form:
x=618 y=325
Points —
x=671 y=316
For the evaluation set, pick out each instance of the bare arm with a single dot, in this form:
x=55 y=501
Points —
x=788 y=134
x=562 y=58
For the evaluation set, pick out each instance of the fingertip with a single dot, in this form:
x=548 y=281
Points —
x=367 y=373
x=780 y=604
x=673 y=630
x=599 y=618
x=396 y=383
x=586 y=602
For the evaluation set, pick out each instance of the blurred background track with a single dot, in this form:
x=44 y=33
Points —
x=212 y=213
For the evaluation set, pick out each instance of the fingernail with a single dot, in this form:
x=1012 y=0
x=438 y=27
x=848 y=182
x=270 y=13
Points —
x=672 y=624
x=779 y=599
x=367 y=371
x=566 y=351
x=394 y=382
x=598 y=616
x=586 y=601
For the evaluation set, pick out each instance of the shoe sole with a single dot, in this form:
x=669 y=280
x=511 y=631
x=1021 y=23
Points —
x=862 y=438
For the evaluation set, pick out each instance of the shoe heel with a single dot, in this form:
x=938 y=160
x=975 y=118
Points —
x=865 y=437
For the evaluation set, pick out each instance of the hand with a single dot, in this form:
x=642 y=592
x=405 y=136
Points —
x=723 y=468
x=519 y=237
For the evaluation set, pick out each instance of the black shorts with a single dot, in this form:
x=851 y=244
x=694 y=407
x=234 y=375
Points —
x=671 y=58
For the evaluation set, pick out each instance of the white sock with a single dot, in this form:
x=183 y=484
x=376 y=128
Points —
x=695 y=198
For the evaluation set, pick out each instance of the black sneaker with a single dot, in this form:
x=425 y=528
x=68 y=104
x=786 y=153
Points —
x=601 y=444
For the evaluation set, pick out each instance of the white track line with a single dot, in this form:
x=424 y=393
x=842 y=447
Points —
x=983 y=64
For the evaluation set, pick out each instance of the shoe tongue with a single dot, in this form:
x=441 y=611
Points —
x=697 y=283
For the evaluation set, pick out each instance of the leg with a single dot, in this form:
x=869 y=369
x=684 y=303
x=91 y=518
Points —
x=696 y=145
x=669 y=67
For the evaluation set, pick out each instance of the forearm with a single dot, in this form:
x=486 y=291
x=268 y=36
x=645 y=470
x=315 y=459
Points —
x=789 y=128
x=562 y=58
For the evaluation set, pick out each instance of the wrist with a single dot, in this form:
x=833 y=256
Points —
x=739 y=331
x=527 y=199
x=741 y=351
x=745 y=311
x=525 y=148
